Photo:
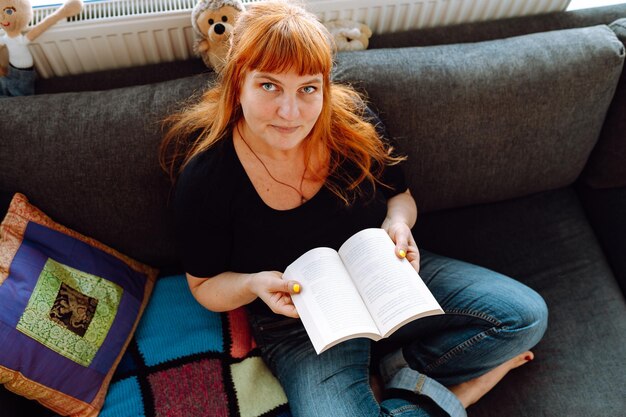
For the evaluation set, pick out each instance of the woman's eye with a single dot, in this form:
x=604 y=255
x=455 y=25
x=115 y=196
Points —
x=309 y=89
x=8 y=11
x=268 y=86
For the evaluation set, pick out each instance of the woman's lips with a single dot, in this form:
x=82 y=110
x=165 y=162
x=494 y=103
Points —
x=285 y=129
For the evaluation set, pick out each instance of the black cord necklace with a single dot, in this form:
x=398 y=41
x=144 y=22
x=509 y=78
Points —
x=298 y=190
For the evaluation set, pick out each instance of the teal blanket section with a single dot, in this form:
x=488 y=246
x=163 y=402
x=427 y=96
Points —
x=186 y=361
x=175 y=325
x=124 y=400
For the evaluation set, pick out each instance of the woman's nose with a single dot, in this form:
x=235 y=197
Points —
x=288 y=107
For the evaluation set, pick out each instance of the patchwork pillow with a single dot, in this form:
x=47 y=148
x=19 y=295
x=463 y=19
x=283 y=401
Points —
x=186 y=361
x=68 y=308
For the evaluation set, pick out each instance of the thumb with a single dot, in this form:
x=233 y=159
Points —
x=401 y=249
x=293 y=287
x=402 y=240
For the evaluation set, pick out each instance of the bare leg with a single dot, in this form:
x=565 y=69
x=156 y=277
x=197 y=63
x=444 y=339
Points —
x=471 y=391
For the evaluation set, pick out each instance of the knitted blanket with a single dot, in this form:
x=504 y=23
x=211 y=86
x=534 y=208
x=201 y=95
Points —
x=185 y=361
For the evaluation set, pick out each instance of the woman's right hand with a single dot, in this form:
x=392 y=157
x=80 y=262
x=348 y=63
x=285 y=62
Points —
x=275 y=292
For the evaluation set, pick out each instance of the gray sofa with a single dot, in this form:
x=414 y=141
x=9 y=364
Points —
x=515 y=132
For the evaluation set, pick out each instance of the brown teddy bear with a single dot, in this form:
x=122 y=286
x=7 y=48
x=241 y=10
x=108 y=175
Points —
x=212 y=22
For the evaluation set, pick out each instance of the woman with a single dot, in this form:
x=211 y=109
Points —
x=274 y=160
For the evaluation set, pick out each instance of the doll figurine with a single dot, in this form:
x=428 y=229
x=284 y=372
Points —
x=18 y=78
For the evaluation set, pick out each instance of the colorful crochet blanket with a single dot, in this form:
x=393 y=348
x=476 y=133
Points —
x=185 y=361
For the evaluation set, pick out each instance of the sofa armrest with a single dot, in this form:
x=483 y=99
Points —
x=606 y=167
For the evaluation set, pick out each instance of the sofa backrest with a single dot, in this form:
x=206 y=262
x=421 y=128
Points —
x=480 y=122
x=89 y=161
x=492 y=120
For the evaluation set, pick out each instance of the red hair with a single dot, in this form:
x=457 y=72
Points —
x=276 y=37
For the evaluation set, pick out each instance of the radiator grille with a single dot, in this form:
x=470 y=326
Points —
x=112 y=34
x=118 y=8
x=389 y=16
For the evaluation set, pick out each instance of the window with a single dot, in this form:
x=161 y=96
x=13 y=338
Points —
x=585 y=4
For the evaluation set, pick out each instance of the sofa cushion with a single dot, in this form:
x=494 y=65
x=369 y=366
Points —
x=606 y=208
x=492 y=120
x=89 y=160
x=68 y=308
x=606 y=167
x=545 y=241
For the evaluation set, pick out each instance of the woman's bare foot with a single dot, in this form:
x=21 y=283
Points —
x=471 y=391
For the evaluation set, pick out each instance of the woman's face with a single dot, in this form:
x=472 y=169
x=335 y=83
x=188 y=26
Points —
x=280 y=109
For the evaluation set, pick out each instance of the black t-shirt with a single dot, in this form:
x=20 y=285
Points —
x=224 y=225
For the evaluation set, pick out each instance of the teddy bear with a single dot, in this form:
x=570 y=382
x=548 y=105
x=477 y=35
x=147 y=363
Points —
x=349 y=35
x=212 y=22
x=18 y=77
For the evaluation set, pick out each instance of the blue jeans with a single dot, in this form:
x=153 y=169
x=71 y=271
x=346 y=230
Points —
x=18 y=82
x=489 y=319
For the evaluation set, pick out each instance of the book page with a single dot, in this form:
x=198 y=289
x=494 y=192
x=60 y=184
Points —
x=329 y=305
x=390 y=287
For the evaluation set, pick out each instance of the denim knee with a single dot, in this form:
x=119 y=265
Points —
x=527 y=318
x=489 y=320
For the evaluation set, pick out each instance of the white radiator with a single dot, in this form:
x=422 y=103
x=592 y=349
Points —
x=112 y=34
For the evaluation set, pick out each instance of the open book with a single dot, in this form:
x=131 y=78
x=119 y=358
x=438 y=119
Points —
x=364 y=290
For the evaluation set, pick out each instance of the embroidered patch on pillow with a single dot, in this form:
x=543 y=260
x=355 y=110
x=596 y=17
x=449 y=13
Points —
x=69 y=306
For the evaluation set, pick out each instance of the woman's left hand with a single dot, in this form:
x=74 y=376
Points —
x=406 y=247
